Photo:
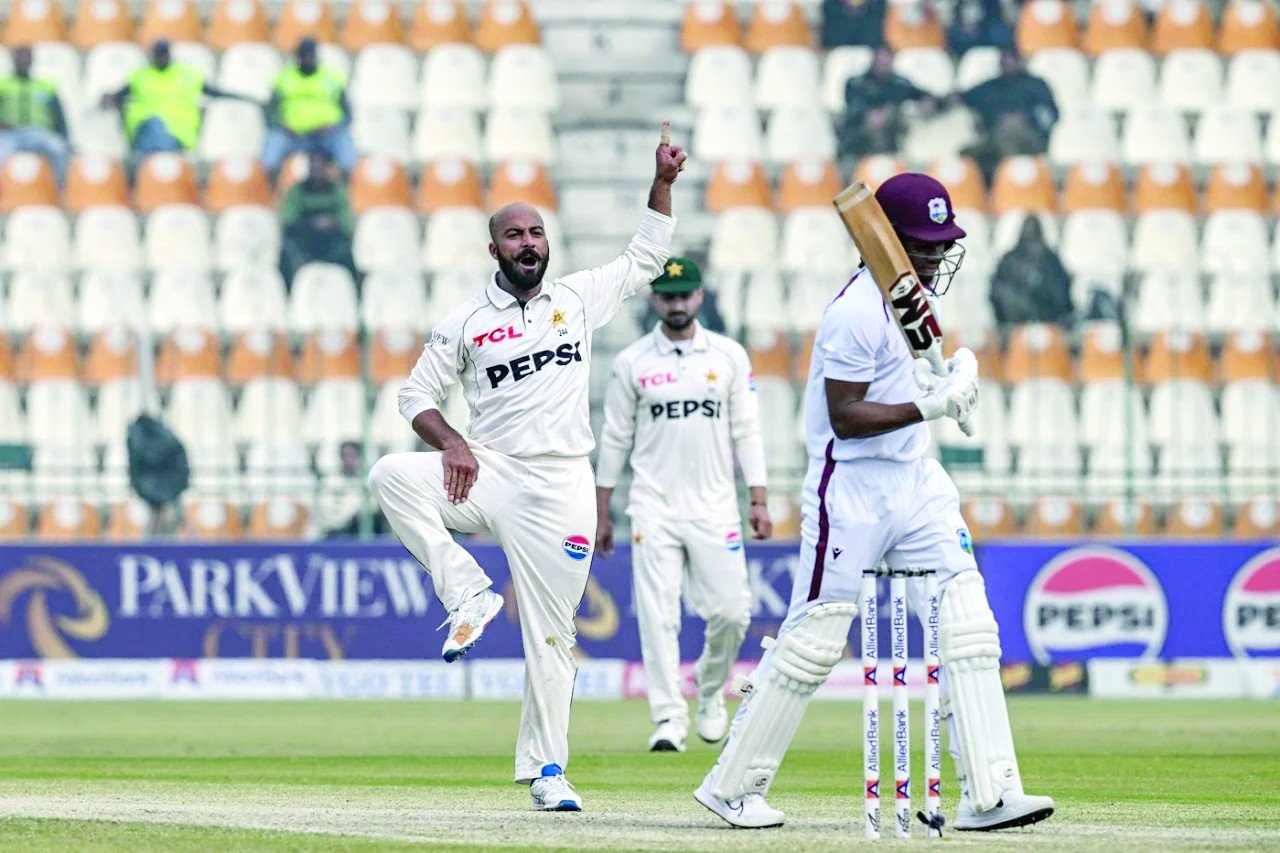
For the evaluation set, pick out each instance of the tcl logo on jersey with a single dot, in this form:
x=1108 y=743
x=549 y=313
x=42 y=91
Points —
x=656 y=379
x=527 y=365
x=1251 y=611
x=1095 y=602
x=497 y=336
x=676 y=409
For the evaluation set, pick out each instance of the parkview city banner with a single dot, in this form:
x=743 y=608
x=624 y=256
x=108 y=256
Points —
x=1055 y=603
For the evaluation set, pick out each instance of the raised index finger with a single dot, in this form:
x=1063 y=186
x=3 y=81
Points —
x=665 y=138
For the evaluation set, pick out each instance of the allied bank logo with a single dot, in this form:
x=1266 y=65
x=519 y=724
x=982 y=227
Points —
x=1094 y=601
x=28 y=673
x=577 y=547
x=184 y=671
x=59 y=605
x=966 y=541
x=733 y=540
x=1251 y=610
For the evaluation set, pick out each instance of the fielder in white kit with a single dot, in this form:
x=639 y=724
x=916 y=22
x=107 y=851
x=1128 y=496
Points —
x=872 y=494
x=682 y=401
x=521 y=349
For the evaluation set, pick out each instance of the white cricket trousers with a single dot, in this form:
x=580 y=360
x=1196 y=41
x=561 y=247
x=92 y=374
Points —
x=542 y=512
x=705 y=557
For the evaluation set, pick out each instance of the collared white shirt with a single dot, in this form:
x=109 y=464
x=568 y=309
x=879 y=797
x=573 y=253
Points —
x=524 y=369
x=681 y=409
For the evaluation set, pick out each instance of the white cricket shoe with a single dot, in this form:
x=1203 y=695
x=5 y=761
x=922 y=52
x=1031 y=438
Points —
x=712 y=720
x=551 y=792
x=749 y=812
x=467 y=623
x=1012 y=811
x=669 y=736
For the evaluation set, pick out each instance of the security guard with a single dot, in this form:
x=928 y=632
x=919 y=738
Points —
x=31 y=116
x=308 y=111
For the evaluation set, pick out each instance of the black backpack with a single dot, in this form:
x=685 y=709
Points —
x=158 y=468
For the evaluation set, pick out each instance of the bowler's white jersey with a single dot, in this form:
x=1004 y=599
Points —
x=686 y=406
x=857 y=341
x=524 y=369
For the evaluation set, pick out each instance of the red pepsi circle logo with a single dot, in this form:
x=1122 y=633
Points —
x=1251 y=610
x=577 y=547
x=733 y=540
x=1090 y=602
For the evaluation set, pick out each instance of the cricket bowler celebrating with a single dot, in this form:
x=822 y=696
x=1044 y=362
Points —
x=684 y=397
x=521 y=349
x=871 y=494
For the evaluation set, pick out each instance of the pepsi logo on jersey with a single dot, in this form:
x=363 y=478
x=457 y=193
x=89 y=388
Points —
x=527 y=365
x=677 y=409
x=577 y=547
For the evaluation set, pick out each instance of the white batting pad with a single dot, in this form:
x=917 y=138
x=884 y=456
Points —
x=800 y=662
x=969 y=642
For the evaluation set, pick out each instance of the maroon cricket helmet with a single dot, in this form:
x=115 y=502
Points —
x=919 y=206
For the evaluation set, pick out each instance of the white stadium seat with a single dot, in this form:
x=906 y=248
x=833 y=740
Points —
x=246 y=236
x=182 y=299
x=384 y=75
x=335 y=412
x=446 y=133
x=457 y=239
x=110 y=299
x=119 y=402
x=787 y=76
x=253 y=298
x=1241 y=302
x=929 y=68
x=522 y=75
x=1253 y=81
x=388 y=239
x=1191 y=80
x=232 y=130
x=1154 y=134
x=278 y=468
x=1235 y=241
x=811 y=243
x=1084 y=135
x=1095 y=242
x=177 y=237
x=39 y=299
x=107 y=68
x=249 y=69
x=1008 y=227
x=323 y=298
x=977 y=65
x=59 y=63
x=1227 y=135
x=453 y=75
x=198 y=56
x=1165 y=240
x=270 y=411
x=841 y=64
x=518 y=133
x=388 y=428
x=199 y=411
x=727 y=132
x=37 y=239
x=719 y=76
x=1169 y=300
x=799 y=133
x=1123 y=80
x=381 y=132
x=107 y=239
x=393 y=300
x=1067 y=72
x=744 y=238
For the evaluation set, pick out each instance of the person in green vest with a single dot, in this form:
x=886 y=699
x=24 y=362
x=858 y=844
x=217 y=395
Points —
x=31 y=116
x=308 y=111
x=162 y=103
x=316 y=221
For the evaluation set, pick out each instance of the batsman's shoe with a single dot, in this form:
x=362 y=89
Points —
x=669 y=736
x=712 y=720
x=467 y=623
x=1012 y=811
x=749 y=812
x=551 y=792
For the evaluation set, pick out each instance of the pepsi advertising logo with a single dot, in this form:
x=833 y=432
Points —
x=577 y=547
x=1094 y=601
x=1251 y=609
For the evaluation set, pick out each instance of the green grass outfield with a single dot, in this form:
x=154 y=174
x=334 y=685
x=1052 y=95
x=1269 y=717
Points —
x=366 y=775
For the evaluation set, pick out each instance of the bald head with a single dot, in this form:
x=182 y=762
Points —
x=519 y=245
x=516 y=213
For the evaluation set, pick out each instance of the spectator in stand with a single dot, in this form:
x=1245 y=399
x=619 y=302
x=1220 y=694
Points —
x=342 y=498
x=852 y=22
x=308 y=111
x=316 y=220
x=31 y=116
x=162 y=103
x=1030 y=285
x=978 y=23
x=1015 y=113
x=873 y=121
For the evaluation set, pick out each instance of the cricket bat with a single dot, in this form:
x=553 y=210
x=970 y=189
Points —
x=901 y=288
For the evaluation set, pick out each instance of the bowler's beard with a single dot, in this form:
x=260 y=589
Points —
x=679 y=323
x=518 y=275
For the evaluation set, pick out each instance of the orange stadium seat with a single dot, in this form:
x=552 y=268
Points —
x=1177 y=355
x=1257 y=519
x=785 y=514
x=1054 y=518
x=100 y=21
x=1113 y=25
x=278 y=518
x=770 y=353
x=7 y=368
x=985 y=346
x=372 y=22
x=1044 y=24
x=449 y=183
x=1120 y=517
x=1194 y=518
x=189 y=354
x=47 y=353
x=237 y=21
x=737 y=183
x=1094 y=186
x=1101 y=354
x=392 y=355
x=95 y=182
x=521 y=180
x=332 y=354
x=260 y=354
x=1037 y=351
x=379 y=182
x=777 y=23
x=989 y=518
x=807 y=183
x=127 y=521
x=233 y=183
x=34 y=21
x=1023 y=183
x=68 y=518
x=437 y=22
x=913 y=24
x=1248 y=25
x=211 y=519
x=165 y=179
x=877 y=169
x=1182 y=25
x=1164 y=186
x=176 y=20
x=1249 y=355
x=293 y=170
x=1236 y=186
x=15 y=521
x=707 y=23
x=302 y=18
x=963 y=180
x=113 y=354
x=27 y=179
x=504 y=22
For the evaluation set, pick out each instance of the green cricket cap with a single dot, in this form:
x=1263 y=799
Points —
x=679 y=275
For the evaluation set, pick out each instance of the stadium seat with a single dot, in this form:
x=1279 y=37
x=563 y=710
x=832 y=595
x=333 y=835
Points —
x=1114 y=25
x=68 y=519
x=330 y=354
x=1067 y=73
x=708 y=23
x=249 y=69
x=387 y=239
x=237 y=22
x=727 y=132
x=232 y=130
x=99 y=133
x=1093 y=186
x=1123 y=79
x=1154 y=134
x=1025 y=184
x=787 y=76
x=523 y=181
x=246 y=237
x=807 y=182
x=279 y=518
x=1084 y=135
x=26 y=180
x=112 y=356
x=1228 y=135
x=107 y=238
x=438 y=23
x=58 y=418
x=1236 y=186
x=37 y=238
x=1249 y=355
x=1253 y=81
x=963 y=181
x=1234 y=241
x=34 y=21
x=198 y=56
x=252 y=298
x=518 y=133
x=15 y=521
x=372 y=22
x=382 y=132
x=1271 y=147
x=119 y=402
x=446 y=133
x=453 y=75
x=335 y=412
x=989 y=518
x=270 y=411
x=523 y=76
x=384 y=76
x=815 y=241
x=1042 y=415
x=1164 y=187
x=1094 y=242
x=777 y=23
x=323 y=297
x=189 y=353
x=175 y=20
x=237 y=184
x=1168 y=300
x=39 y=299
x=199 y=411
x=449 y=182
x=211 y=519
x=1008 y=227
x=796 y=133
x=1177 y=356
x=876 y=169
x=182 y=298
x=1256 y=519
x=394 y=349
x=911 y=24
x=95 y=182
x=505 y=22
x=1248 y=25
x=1191 y=79
x=929 y=68
x=1101 y=355
x=737 y=183
x=744 y=239
x=109 y=300
x=719 y=75
x=1045 y=25
x=1250 y=415
x=1054 y=518
x=977 y=65
x=176 y=236
x=127 y=521
x=260 y=352
x=108 y=66
x=1122 y=517
x=1194 y=518
x=165 y=179
x=302 y=18
x=457 y=238
x=1240 y=303
x=841 y=64
x=379 y=182
x=1182 y=25
x=101 y=21
x=387 y=429
x=1037 y=351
